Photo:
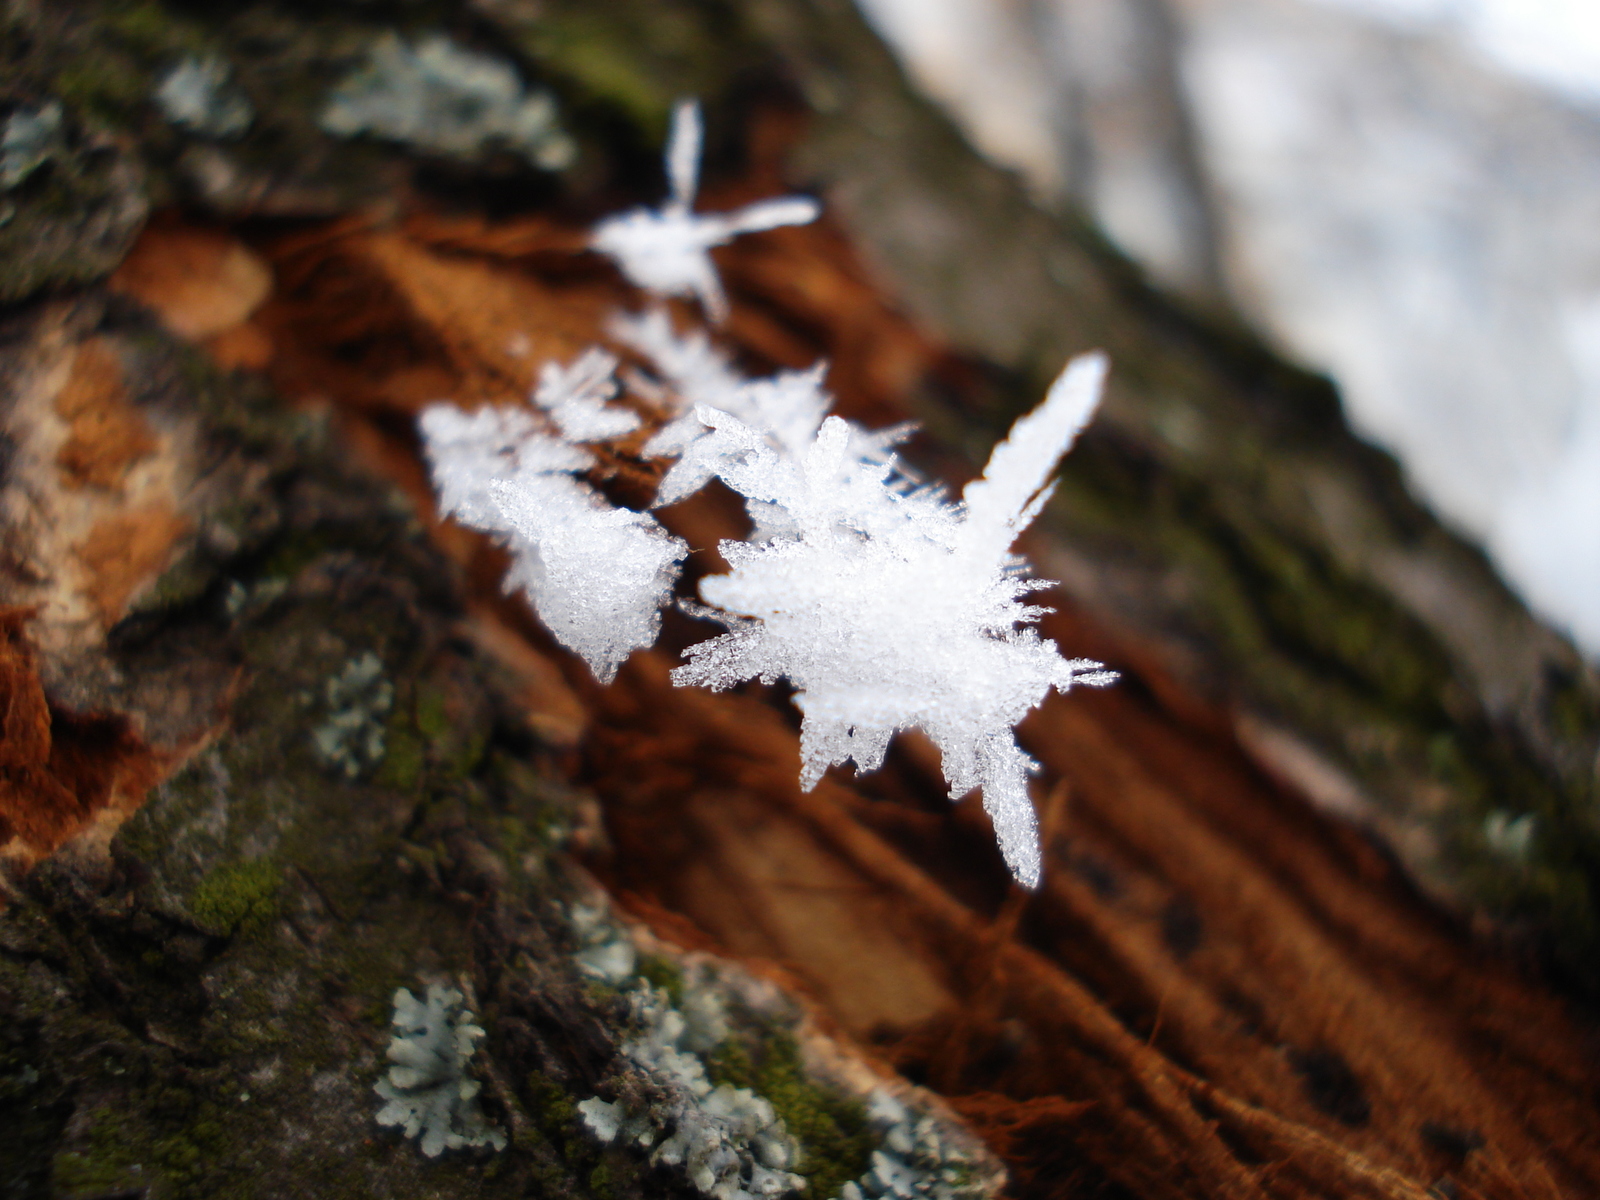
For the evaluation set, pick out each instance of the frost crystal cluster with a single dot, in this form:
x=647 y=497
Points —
x=891 y=610
x=596 y=574
x=427 y=1092
x=884 y=603
x=666 y=250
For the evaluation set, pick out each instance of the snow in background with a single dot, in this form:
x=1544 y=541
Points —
x=1402 y=192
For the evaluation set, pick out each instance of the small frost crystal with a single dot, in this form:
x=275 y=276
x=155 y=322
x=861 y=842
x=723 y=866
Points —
x=597 y=575
x=665 y=250
x=575 y=397
x=786 y=408
x=890 y=609
x=427 y=1092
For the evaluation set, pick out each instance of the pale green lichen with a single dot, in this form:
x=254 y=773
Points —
x=729 y=1141
x=351 y=737
x=428 y=1093
x=444 y=100
x=199 y=94
x=32 y=138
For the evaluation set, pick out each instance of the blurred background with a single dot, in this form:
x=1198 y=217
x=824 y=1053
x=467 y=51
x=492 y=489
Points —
x=1401 y=193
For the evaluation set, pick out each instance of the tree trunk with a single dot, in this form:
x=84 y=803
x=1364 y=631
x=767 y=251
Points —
x=276 y=744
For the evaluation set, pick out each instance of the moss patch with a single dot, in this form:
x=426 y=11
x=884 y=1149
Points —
x=834 y=1136
x=238 y=897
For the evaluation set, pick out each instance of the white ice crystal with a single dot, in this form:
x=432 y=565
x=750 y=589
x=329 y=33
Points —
x=575 y=397
x=786 y=408
x=597 y=575
x=427 y=1092
x=888 y=608
x=665 y=250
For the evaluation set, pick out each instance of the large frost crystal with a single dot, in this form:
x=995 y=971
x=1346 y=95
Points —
x=888 y=608
x=666 y=250
x=597 y=575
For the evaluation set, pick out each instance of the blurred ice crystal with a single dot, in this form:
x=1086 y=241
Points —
x=448 y=101
x=575 y=397
x=427 y=1092
x=888 y=608
x=597 y=575
x=665 y=250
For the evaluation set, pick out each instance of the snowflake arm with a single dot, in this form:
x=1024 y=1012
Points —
x=684 y=145
x=666 y=250
x=1014 y=486
x=575 y=397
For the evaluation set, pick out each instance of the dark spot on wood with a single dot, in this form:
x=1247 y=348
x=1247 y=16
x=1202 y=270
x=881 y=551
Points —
x=1331 y=1085
x=1181 y=929
x=1450 y=1140
x=1097 y=873
x=1252 y=1017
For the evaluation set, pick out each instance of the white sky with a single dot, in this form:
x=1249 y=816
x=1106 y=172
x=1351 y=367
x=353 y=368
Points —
x=1554 y=42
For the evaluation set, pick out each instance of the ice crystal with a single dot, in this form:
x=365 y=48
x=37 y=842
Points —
x=446 y=100
x=427 y=1092
x=597 y=575
x=786 y=408
x=666 y=250
x=888 y=608
x=575 y=397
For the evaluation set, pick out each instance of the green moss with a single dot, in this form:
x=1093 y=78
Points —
x=239 y=897
x=293 y=554
x=835 y=1138
x=404 y=756
x=114 y=1156
x=432 y=715
x=551 y=1108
